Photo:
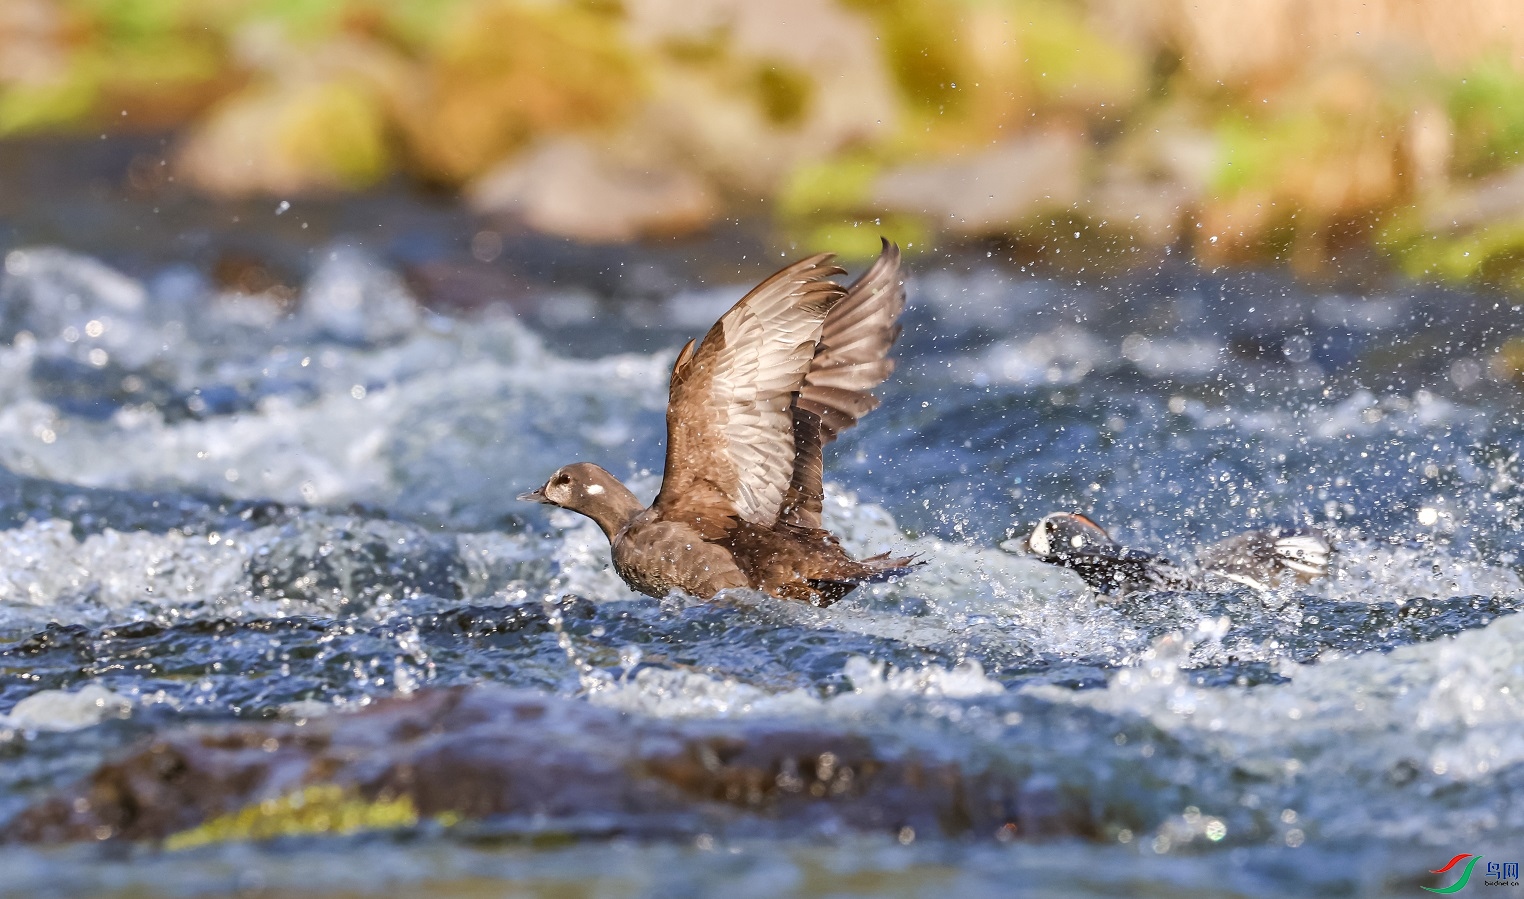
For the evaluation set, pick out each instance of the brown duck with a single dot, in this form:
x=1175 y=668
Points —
x=748 y=414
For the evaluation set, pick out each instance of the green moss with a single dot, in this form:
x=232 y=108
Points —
x=829 y=187
x=1491 y=254
x=829 y=204
x=129 y=19
x=1487 y=109
x=1253 y=152
x=35 y=107
x=1070 y=63
x=321 y=809
x=161 y=65
x=1265 y=152
x=1331 y=150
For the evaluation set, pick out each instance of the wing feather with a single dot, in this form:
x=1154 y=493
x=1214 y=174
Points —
x=730 y=429
x=851 y=359
x=853 y=354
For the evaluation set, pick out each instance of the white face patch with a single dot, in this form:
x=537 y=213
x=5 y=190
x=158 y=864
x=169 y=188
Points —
x=595 y=489
x=1039 y=539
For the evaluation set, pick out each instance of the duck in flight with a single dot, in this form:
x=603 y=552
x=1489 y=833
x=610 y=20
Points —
x=749 y=413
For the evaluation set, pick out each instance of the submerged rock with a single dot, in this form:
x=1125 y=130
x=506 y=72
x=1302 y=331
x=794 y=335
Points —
x=528 y=761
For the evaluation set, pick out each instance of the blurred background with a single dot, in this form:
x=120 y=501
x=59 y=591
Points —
x=1341 y=137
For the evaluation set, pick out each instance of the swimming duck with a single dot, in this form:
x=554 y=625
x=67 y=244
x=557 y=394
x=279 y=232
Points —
x=1259 y=560
x=749 y=412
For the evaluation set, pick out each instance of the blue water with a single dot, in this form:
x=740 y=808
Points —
x=217 y=507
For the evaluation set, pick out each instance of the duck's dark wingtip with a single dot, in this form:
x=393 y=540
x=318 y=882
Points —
x=822 y=266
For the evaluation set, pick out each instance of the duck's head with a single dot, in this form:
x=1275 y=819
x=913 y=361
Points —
x=586 y=488
x=1069 y=533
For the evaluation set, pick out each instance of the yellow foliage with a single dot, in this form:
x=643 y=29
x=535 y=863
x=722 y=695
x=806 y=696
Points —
x=1071 y=63
x=287 y=137
x=1316 y=115
x=857 y=240
x=506 y=71
x=783 y=92
x=842 y=184
x=971 y=71
x=1488 y=253
x=1335 y=147
x=40 y=105
x=1509 y=361
x=337 y=130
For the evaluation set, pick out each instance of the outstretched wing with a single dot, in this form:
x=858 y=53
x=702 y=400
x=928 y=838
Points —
x=730 y=428
x=851 y=359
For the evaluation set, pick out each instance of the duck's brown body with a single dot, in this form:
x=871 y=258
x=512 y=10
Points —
x=656 y=557
x=749 y=413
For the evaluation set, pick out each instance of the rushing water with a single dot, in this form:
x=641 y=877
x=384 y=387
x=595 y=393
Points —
x=213 y=508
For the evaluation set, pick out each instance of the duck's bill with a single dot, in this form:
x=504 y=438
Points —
x=534 y=496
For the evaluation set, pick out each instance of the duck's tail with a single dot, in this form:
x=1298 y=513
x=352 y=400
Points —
x=872 y=570
x=883 y=567
x=1262 y=559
